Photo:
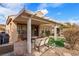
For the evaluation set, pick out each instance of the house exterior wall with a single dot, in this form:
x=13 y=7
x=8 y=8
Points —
x=11 y=29
x=45 y=28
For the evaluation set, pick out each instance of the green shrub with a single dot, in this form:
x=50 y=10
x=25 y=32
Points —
x=51 y=41
x=59 y=42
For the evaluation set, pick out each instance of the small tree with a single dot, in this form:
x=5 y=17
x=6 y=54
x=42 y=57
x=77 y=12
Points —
x=71 y=35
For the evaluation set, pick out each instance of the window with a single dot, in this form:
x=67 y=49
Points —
x=35 y=30
x=22 y=28
x=22 y=31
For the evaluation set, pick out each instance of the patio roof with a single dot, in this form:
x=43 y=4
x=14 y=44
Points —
x=13 y=17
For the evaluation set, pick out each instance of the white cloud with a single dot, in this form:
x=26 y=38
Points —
x=9 y=9
x=6 y=11
x=42 y=6
x=54 y=5
x=70 y=20
x=13 y=6
x=45 y=5
x=74 y=20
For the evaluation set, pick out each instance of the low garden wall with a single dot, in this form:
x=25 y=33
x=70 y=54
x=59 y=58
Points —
x=6 y=48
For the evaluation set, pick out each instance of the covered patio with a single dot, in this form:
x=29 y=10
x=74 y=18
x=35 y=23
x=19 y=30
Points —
x=28 y=27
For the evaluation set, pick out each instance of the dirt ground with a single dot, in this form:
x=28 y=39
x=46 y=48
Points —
x=57 y=51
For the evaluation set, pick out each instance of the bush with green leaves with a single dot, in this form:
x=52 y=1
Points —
x=59 y=42
x=51 y=41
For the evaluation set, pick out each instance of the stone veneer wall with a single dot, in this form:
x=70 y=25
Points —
x=11 y=29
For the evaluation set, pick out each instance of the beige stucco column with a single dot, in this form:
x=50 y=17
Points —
x=55 y=32
x=29 y=36
x=39 y=30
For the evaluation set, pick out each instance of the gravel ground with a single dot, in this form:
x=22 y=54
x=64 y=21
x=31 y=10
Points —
x=57 y=51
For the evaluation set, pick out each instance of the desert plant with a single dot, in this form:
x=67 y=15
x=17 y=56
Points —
x=51 y=41
x=71 y=35
x=58 y=43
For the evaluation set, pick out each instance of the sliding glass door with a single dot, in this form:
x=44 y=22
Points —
x=22 y=30
x=35 y=30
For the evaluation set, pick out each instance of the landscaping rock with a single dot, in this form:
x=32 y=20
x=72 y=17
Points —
x=43 y=48
x=36 y=53
x=76 y=46
x=66 y=45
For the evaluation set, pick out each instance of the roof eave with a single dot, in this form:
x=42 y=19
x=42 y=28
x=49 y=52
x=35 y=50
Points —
x=31 y=13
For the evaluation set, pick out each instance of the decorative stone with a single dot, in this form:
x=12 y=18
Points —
x=43 y=48
x=67 y=45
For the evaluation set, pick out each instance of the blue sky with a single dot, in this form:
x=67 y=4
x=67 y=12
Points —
x=60 y=12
